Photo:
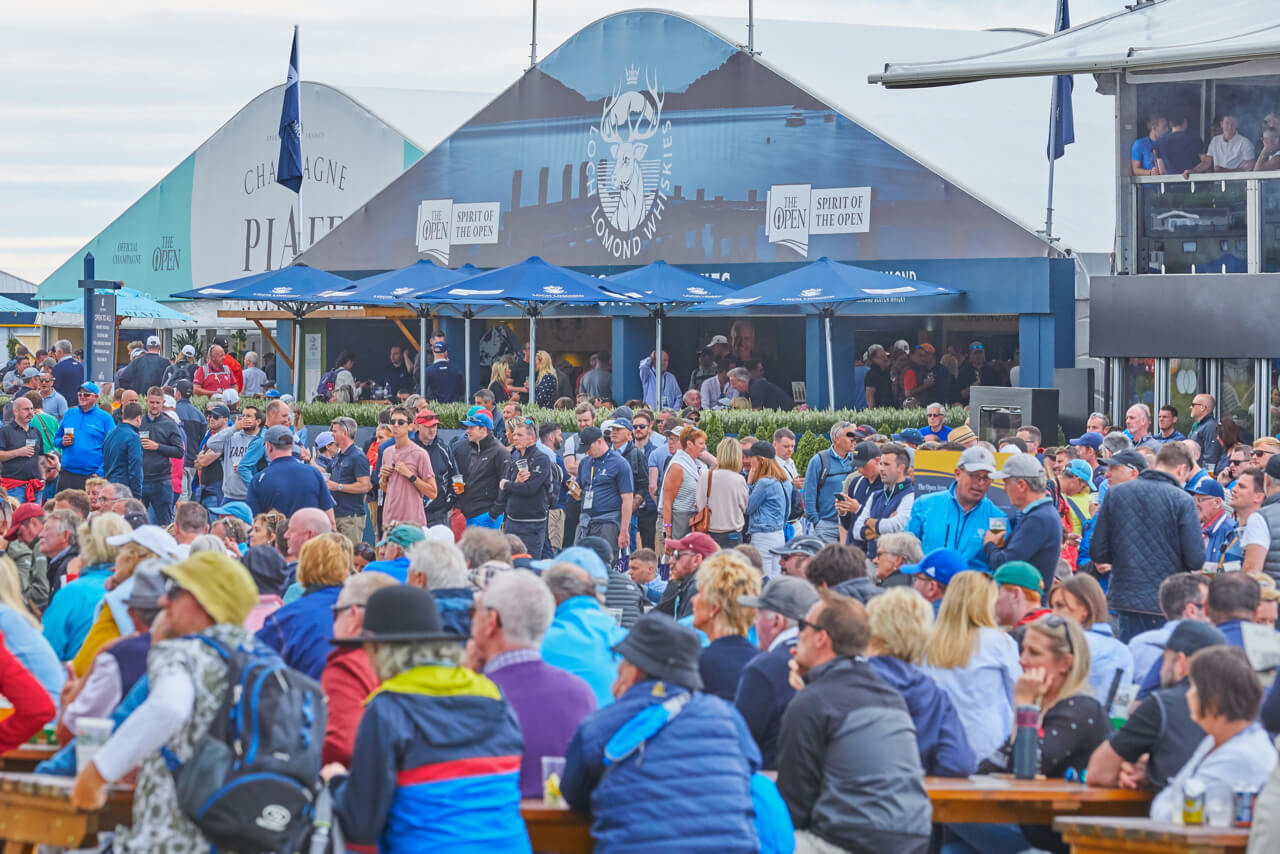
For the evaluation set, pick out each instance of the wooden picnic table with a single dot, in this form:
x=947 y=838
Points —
x=27 y=756
x=35 y=809
x=556 y=828
x=1005 y=800
x=1098 y=835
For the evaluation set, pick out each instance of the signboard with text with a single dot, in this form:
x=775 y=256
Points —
x=102 y=343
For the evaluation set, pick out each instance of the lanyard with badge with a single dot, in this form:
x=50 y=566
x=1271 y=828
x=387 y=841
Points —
x=590 y=493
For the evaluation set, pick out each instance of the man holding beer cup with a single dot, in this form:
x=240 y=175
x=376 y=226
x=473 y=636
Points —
x=80 y=435
x=1035 y=531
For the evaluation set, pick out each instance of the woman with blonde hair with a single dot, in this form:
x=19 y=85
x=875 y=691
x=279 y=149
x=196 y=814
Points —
x=499 y=380
x=974 y=662
x=726 y=495
x=21 y=631
x=722 y=578
x=111 y=619
x=548 y=381
x=680 y=483
x=263 y=532
x=302 y=630
x=70 y=613
x=768 y=503
x=901 y=624
x=1055 y=678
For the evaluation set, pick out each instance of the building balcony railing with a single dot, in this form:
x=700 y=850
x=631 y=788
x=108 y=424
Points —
x=1211 y=223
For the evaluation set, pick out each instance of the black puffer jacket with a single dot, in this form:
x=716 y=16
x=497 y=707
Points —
x=484 y=469
x=1147 y=529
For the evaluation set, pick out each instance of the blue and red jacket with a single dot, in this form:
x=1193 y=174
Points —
x=436 y=767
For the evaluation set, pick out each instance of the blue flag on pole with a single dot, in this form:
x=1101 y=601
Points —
x=1063 y=131
x=289 y=167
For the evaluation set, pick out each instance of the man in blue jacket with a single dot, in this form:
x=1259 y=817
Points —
x=80 y=435
x=1035 y=531
x=122 y=450
x=823 y=478
x=959 y=518
x=687 y=786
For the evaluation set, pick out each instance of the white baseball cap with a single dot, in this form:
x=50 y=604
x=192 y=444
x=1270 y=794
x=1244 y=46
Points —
x=153 y=341
x=153 y=538
x=230 y=396
x=188 y=350
x=978 y=458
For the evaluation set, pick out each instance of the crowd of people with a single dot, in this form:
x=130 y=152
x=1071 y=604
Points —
x=681 y=626
x=1171 y=148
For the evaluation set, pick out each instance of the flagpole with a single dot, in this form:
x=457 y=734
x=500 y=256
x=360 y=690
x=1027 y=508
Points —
x=1053 y=133
x=297 y=374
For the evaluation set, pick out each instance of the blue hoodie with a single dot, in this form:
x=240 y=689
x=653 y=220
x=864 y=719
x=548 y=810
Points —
x=944 y=750
x=581 y=640
x=84 y=454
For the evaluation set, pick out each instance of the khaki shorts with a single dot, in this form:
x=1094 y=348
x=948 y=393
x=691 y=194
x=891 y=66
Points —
x=352 y=527
x=555 y=529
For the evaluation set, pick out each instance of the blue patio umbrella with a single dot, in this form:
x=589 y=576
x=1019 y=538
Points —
x=400 y=287
x=531 y=285
x=822 y=288
x=659 y=286
x=13 y=305
x=129 y=303
x=298 y=289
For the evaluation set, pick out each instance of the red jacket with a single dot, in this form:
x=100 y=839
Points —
x=347 y=680
x=32 y=706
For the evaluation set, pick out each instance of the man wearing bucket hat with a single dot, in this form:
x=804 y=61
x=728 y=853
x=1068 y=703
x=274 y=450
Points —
x=208 y=595
x=697 y=774
x=438 y=750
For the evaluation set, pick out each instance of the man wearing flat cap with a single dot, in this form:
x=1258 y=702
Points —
x=658 y=790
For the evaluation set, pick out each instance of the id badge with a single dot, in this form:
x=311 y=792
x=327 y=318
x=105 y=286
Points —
x=586 y=499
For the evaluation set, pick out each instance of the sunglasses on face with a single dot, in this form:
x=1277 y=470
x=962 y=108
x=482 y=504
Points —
x=805 y=624
x=172 y=588
x=399 y=422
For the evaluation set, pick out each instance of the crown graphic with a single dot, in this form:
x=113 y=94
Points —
x=633 y=74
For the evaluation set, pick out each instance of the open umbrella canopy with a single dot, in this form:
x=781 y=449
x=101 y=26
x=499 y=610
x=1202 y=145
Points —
x=529 y=284
x=129 y=303
x=659 y=283
x=294 y=284
x=399 y=286
x=7 y=304
x=823 y=285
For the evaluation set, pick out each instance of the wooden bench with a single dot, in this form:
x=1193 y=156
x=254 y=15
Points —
x=35 y=810
x=1098 y=835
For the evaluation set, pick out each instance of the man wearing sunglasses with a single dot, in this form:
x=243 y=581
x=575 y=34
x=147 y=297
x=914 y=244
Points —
x=80 y=436
x=1204 y=430
x=823 y=480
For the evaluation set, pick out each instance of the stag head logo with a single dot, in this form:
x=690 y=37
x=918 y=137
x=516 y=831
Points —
x=629 y=118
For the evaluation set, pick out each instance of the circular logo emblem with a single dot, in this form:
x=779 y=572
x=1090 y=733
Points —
x=629 y=184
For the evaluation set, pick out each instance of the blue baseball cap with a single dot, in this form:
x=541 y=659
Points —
x=479 y=419
x=90 y=387
x=1088 y=440
x=1080 y=469
x=238 y=509
x=585 y=558
x=941 y=565
x=1208 y=486
x=911 y=436
x=439 y=347
x=273 y=393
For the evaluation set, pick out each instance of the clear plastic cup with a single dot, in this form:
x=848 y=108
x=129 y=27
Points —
x=91 y=734
x=616 y=613
x=552 y=774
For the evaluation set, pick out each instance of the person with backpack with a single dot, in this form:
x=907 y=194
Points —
x=437 y=754
x=665 y=760
x=823 y=480
x=329 y=380
x=206 y=598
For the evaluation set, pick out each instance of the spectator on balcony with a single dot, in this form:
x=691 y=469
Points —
x=1180 y=150
x=1144 y=154
x=1269 y=156
x=1229 y=151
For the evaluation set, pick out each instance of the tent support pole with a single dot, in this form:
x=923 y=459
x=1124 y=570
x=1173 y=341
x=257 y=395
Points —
x=466 y=342
x=831 y=376
x=422 y=355
x=531 y=379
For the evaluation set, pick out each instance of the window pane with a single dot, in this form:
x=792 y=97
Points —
x=1187 y=378
x=1238 y=399
x=1187 y=226
x=1139 y=382
x=1271 y=225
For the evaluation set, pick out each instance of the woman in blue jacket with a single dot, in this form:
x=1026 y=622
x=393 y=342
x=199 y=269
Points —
x=901 y=623
x=768 y=504
x=301 y=631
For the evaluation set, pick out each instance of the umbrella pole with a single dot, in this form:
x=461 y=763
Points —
x=531 y=379
x=657 y=359
x=831 y=376
x=297 y=359
x=466 y=343
x=422 y=354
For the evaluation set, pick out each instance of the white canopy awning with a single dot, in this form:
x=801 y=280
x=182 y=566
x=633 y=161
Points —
x=1163 y=34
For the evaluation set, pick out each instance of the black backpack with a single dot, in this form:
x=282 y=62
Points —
x=251 y=783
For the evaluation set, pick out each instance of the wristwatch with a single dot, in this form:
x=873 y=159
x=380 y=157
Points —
x=413 y=478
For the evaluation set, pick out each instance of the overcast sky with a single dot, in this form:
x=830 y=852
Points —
x=101 y=100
